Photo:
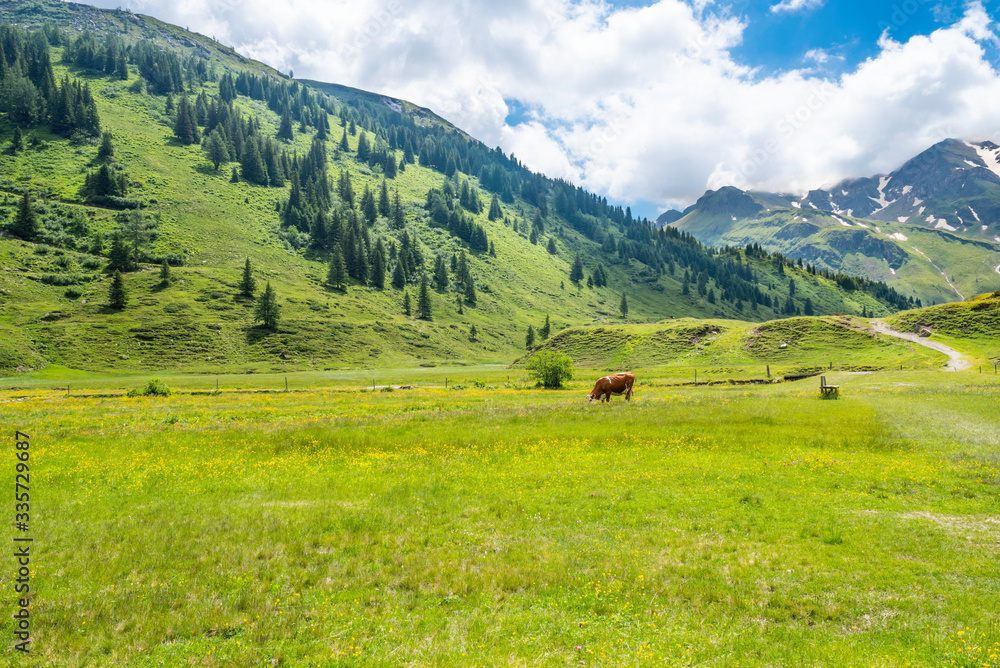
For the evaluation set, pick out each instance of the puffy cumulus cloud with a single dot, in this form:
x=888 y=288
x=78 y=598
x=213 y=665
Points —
x=639 y=103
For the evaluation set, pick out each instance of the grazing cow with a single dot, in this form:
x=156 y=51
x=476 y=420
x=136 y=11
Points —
x=616 y=383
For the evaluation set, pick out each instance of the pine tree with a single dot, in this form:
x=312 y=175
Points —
x=398 y=220
x=473 y=333
x=495 y=211
x=216 y=149
x=378 y=266
x=252 y=167
x=344 y=146
x=268 y=312
x=186 y=126
x=384 y=207
x=337 y=272
x=248 y=284
x=368 y=207
x=107 y=149
x=164 y=272
x=398 y=276
x=470 y=293
x=235 y=178
x=576 y=272
x=424 y=301
x=407 y=310
x=364 y=148
x=17 y=142
x=26 y=222
x=546 y=329
x=285 y=129
x=117 y=293
x=119 y=258
x=529 y=339
x=807 y=309
x=440 y=274
x=551 y=245
x=623 y=307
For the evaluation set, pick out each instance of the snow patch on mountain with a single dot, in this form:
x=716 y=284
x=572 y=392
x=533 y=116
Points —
x=861 y=225
x=796 y=205
x=907 y=189
x=988 y=157
x=902 y=219
x=985 y=227
x=842 y=221
x=882 y=201
x=974 y=213
x=943 y=225
x=898 y=236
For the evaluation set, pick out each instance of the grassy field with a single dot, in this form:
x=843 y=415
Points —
x=498 y=525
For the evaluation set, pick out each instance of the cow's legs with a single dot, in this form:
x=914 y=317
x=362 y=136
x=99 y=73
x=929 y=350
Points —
x=628 y=395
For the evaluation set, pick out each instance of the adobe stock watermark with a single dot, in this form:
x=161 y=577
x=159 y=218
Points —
x=819 y=96
x=599 y=145
x=697 y=45
x=372 y=28
x=901 y=14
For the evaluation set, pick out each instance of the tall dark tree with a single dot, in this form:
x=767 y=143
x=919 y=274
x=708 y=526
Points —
x=495 y=211
x=398 y=220
x=344 y=146
x=576 y=272
x=216 y=148
x=407 y=309
x=440 y=274
x=398 y=276
x=551 y=246
x=26 y=221
x=285 y=129
x=252 y=167
x=17 y=142
x=268 y=312
x=164 y=272
x=364 y=148
x=378 y=266
x=368 y=207
x=107 y=149
x=337 y=273
x=623 y=306
x=119 y=257
x=384 y=207
x=248 y=284
x=117 y=293
x=424 y=300
x=186 y=126
x=529 y=339
x=470 y=292
x=545 y=329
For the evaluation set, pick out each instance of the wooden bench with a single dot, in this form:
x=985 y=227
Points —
x=828 y=391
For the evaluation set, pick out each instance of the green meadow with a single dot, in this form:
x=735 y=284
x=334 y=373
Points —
x=494 y=524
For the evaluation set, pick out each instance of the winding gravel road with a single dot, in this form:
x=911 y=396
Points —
x=957 y=361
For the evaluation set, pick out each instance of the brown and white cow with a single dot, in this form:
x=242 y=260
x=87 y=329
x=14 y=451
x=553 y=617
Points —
x=616 y=383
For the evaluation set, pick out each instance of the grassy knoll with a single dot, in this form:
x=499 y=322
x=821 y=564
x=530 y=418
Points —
x=694 y=525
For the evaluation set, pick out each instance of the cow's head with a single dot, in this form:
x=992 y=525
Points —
x=591 y=398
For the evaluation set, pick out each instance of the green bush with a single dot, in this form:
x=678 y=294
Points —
x=550 y=368
x=154 y=388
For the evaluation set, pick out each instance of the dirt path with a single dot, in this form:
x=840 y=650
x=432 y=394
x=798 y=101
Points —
x=957 y=361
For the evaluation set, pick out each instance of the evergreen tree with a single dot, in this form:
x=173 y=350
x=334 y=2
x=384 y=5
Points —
x=268 y=312
x=235 y=178
x=285 y=129
x=440 y=274
x=529 y=339
x=495 y=211
x=623 y=307
x=458 y=305
x=164 y=272
x=398 y=276
x=248 y=284
x=378 y=266
x=807 y=308
x=26 y=222
x=424 y=301
x=473 y=334
x=576 y=272
x=107 y=149
x=216 y=148
x=119 y=258
x=384 y=207
x=546 y=329
x=364 y=148
x=406 y=303
x=552 y=245
x=470 y=292
x=791 y=287
x=117 y=293
x=398 y=220
x=344 y=146
x=17 y=142
x=337 y=273
x=711 y=296
x=368 y=207
x=252 y=166
x=186 y=126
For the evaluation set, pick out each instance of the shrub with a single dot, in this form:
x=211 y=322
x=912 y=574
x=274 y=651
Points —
x=73 y=293
x=154 y=388
x=550 y=368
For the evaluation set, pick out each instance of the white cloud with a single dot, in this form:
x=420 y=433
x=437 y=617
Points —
x=795 y=5
x=634 y=104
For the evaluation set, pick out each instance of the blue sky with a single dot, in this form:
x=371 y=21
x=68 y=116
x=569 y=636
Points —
x=651 y=103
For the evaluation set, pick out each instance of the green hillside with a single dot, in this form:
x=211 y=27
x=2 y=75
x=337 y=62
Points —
x=735 y=347
x=972 y=325
x=107 y=139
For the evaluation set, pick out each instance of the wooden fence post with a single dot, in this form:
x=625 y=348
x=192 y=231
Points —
x=286 y=383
